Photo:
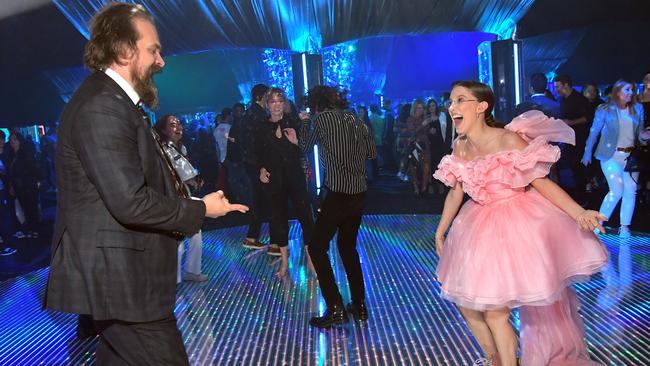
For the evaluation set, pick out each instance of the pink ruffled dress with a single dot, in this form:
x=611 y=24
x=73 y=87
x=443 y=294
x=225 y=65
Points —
x=511 y=247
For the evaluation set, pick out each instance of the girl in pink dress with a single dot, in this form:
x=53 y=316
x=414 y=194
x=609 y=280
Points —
x=520 y=241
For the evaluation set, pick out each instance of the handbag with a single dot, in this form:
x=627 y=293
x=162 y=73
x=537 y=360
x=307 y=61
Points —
x=638 y=159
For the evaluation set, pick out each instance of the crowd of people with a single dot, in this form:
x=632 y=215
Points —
x=24 y=172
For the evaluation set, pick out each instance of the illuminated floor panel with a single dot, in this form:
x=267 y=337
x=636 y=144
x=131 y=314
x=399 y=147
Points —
x=245 y=316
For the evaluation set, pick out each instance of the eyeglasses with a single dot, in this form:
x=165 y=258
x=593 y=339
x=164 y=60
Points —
x=458 y=101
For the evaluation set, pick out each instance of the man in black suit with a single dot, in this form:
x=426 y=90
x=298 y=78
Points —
x=574 y=111
x=538 y=99
x=119 y=214
x=441 y=135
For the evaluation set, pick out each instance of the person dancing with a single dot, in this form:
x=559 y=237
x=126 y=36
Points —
x=119 y=210
x=282 y=177
x=516 y=242
x=170 y=131
x=345 y=143
x=619 y=124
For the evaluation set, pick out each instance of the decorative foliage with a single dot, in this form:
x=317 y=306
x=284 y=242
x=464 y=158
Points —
x=338 y=64
x=278 y=66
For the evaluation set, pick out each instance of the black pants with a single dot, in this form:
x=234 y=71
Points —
x=28 y=197
x=570 y=159
x=340 y=212
x=151 y=343
x=288 y=183
x=7 y=218
x=256 y=203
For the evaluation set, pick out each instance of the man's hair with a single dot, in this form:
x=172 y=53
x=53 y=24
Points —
x=21 y=139
x=226 y=112
x=374 y=108
x=238 y=105
x=564 y=79
x=112 y=33
x=258 y=92
x=538 y=82
x=322 y=97
x=608 y=90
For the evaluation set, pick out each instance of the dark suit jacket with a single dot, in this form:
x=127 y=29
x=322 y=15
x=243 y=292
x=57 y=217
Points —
x=113 y=255
x=542 y=103
x=440 y=148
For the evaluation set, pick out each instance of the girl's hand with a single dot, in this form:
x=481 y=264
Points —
x=440 y=243
x=290 y=133
x=591 y=220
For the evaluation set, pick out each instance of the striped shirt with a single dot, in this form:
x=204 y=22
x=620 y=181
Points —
x=345 y=143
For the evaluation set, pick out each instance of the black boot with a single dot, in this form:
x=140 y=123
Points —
x=358 y=310
x=334 y=315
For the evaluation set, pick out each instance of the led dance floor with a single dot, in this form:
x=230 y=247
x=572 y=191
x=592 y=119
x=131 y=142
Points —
x=245 y=316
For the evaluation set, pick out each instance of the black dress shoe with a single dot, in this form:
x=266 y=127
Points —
x=334 y=315
x=86 y=327
x=358 y=311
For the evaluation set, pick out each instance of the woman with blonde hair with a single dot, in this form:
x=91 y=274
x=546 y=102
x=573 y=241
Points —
x=618 y=123
x=282 y=177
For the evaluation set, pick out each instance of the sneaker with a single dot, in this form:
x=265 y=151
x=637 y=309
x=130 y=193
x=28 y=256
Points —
x=274 y=251
x=194 y=277
x=7 y=251
x=624 y=232
x=252 y=244
x=19 y=234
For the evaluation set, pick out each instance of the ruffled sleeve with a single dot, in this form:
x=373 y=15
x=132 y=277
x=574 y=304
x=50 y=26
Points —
x=534 y=124
x=448 y=171
x=518 y=168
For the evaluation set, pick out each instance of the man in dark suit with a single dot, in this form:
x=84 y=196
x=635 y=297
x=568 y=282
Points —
x=441 y=133
x=574 y=111
x=119 y=214
x=441 y=136
x=538 y=99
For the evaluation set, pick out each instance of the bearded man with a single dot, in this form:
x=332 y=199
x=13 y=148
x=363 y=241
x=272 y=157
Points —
x=119 y=213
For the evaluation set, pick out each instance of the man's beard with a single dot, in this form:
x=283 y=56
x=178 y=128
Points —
x=145 y=86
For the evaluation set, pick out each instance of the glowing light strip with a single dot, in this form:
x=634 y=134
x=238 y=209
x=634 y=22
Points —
x=304 y=73
x=316 y=158
x=317 y=167
x=517 y=93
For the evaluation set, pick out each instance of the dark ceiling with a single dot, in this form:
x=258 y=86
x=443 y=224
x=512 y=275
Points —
x=611 y=42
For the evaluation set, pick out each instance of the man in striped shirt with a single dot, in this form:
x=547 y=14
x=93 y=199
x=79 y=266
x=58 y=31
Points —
x=345 y=143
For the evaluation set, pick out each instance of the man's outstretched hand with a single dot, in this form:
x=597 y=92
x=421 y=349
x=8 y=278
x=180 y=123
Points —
x=216 y=204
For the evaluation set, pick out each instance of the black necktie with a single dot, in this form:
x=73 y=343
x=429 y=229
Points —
x=178 y=183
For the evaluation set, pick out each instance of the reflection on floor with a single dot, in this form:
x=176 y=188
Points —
x=245 y=316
